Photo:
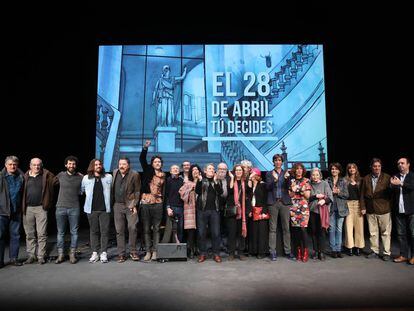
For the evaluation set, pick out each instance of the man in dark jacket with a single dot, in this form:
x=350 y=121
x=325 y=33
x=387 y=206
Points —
x=126 y=187
x=403 y=186
x=37 y=199
x=11 y=188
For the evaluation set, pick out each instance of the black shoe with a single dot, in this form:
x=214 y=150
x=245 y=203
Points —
x=15 y=262
x=372 y=255
x=349 y=252
x=321 y=256
x=314 y=255
x=334 y=255
x=1 y=264
x=357 y=251
x=386 y=257
x=339 y=254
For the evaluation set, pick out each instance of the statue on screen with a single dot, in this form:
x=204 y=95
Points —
x=163 y=97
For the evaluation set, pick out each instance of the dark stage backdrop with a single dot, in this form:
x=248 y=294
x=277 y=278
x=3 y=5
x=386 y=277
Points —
x=50 y=78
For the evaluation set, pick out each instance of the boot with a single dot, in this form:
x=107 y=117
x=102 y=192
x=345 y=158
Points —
x=305 y=255
x=61 y=257
x=299 y=253
x=72 y=255
x=154 y=256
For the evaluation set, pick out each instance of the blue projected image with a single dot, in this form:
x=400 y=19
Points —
x=212 y=103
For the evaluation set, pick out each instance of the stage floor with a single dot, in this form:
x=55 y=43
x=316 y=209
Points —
x=350 y=282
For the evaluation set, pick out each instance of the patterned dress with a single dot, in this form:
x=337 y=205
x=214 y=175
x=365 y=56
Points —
x=299 y=212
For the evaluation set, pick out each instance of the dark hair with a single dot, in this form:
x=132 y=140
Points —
x=374 y=160
x=277 y=156
x=126 y=159
x=91 y=168
x=182 y=164
x=337 y=165
x=190 y=175
x=234 y=171
x=72 y=159
x=407 y=159
x=156 y=157
x=295 y=167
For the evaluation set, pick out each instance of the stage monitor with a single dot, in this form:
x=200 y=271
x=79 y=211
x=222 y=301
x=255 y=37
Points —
x=212 y=103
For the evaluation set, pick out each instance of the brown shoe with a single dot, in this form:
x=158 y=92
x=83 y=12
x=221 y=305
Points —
x=230 y=258
x=242 y=257
x=202 y=258
x=134 y=256
x=400 y=259
x=121 y=258
x=411 y=261
x=217 y=258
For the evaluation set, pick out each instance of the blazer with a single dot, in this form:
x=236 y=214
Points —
x=132 y=189
x=378 y=201
x=407 y=192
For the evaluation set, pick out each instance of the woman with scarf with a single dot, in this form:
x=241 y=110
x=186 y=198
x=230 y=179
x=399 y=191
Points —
x=299 y=191
x=259 y=229
x=319 y=203
x=238 y=207
x=188 y=195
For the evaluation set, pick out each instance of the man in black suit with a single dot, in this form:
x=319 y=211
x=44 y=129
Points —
x=403 y=185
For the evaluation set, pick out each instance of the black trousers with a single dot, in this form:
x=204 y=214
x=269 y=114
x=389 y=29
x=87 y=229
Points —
x=300 y=237
x=405 y=224
x=259 y=237
x=235 y=240
x=318 y=234
x=99 y=230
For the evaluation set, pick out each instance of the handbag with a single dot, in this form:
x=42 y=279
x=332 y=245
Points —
x=257 y=214
x=230 y=210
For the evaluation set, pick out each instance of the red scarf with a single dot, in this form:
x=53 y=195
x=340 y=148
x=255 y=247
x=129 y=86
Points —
x=241 y=208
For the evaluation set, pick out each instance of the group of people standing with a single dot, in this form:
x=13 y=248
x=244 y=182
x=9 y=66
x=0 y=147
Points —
x=239 y=209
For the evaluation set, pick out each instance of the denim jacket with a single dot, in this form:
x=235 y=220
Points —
x=87 y=188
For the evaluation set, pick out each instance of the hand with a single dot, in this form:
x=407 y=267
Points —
x=321 y=202
x=287 y=175
x=275 y=175
x=133 y=210
x=335 y=190
x=147 y=144
x=215 y=177
x=200 y=177
x=250 y=214
x=231 y=175
x=320 y=196
x=363 y=212
x=170 y=212
x=395 y=181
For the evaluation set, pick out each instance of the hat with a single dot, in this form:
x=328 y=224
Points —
x=256 y=171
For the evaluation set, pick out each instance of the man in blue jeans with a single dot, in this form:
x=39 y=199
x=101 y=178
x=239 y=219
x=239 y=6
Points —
x=68 y=208
x=11 y=189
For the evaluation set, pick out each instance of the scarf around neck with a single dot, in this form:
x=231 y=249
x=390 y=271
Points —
x=241 y=208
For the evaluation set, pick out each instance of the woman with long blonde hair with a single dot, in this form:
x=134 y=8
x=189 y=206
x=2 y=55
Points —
x=354 y=222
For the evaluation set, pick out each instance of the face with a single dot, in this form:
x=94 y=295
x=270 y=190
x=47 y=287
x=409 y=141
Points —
x=238 y=172
x=278 y=163
x=186 y=166
x=403 y=165
x=209 y=171
x=11 y=167
x=222 y=169
x=35 y=166
x=71 y=166
x=376 y=168
x=97 y=167
x=195 y=172
x=299 y=172
x=316 y=176
x=352 y=170
x=123 y=166
x=156 y=164
x=247 y=170
x=334 y=171
x=174 y=170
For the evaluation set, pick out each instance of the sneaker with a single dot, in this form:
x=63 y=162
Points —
x=104 y=257
x=41 y=261
x=94 y=257
x=290 y=256
x=15 y=262
x=273 y=256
